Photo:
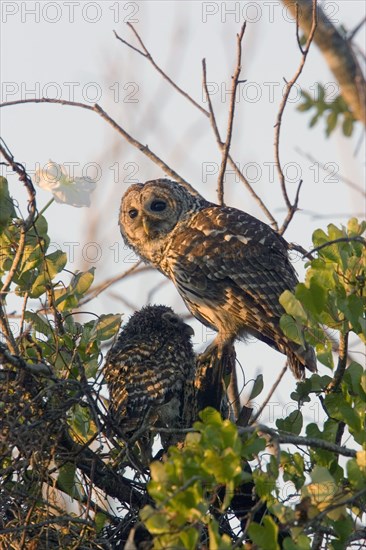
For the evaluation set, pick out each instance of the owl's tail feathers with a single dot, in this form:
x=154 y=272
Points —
x=301 y=358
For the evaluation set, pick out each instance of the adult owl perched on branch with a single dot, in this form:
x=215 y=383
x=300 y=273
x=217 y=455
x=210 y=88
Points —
x=229 y=267
x=150 y=371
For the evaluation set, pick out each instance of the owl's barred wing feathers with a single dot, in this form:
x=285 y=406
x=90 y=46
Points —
x=229 y=267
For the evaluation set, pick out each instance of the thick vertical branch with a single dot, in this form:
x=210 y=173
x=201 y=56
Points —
x=338 y=53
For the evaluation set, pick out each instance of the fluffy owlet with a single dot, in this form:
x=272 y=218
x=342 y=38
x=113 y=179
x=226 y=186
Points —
x=150 y=370
x=229 y=267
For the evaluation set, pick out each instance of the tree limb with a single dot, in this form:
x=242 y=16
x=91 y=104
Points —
x=338 y=53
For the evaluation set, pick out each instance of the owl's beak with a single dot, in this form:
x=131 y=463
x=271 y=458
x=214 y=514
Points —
x=189 y=329
x=146 y=223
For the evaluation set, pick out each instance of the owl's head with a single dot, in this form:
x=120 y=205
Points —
x=150 y=211
x=157 y=320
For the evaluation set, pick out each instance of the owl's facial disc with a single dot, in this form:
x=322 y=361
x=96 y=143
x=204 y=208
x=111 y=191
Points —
x=158 y=212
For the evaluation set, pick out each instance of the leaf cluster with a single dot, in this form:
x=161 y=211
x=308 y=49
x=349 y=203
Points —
x=335 y=112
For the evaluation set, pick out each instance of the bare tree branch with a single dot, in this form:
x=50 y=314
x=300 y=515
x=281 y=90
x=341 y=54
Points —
x=331 y=170
x=134 y=142
x=226 y=146
x=335 y=241
x=304 y=51
x=271 y=392
x=208 y=114
x=283 y=437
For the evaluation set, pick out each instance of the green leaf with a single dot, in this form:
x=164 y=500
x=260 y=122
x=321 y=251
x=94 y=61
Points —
x=304 y=106
x=189 y=538
x=324 y=353
x=353 y=378
x=257 y=387
x=39 y=322
x=81 y=282
x=53 y=264
x=293 y=468
x=314 y=120
x=301 y=394
x=319 y=237
x=156 y=522
x=32 y=257
x=321 y=93
x=68 y=298
x=100 y=520
x=292 y=306
x=341 y=410
x=313 y=298
x=347 y=125
x=7 y=209
x=292 y=423
x=80 y=418
x=253 y=445
x=331 y=122
x=299 y=542
x=223 y=542
x=265 y=536
x=291 y=329
x=356 y=228
x=106 y=327
x=356 y=475
x=67 y=479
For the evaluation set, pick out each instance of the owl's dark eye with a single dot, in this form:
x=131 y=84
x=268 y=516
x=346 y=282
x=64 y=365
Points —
x=158 y=206
x=132 y=213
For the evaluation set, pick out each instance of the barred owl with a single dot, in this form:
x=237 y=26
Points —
x=150 y=370
x=229 y=267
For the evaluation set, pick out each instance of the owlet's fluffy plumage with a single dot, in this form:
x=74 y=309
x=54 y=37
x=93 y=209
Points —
x=150 y=370
x=229 y=267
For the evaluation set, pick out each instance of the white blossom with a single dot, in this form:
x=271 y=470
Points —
x=74 y=191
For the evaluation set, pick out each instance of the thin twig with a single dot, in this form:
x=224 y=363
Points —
x=317 y=519
x=271 y=392
x=24 y=225
x=250 y=515
x=23 y=176
x=134 y=142
x=353 y=33
x=298 y=28
x=5 y=329
x=210 y=108
x=96 y=290
x=39 y=369
x=49 y=521
x=16 y=261
x=226 y=146
x=284 y=437
x=299 y=248
x=291 y=207
x=331 y=170
x=340 y=240
x=146 y=54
